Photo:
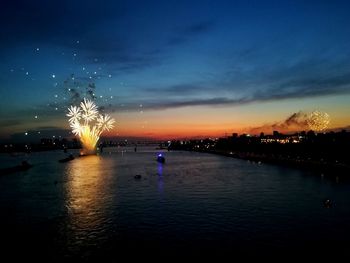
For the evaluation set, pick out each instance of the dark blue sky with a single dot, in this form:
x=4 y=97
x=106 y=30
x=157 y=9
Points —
x=164 y=57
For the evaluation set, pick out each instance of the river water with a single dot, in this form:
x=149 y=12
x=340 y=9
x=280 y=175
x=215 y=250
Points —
x=93 y=207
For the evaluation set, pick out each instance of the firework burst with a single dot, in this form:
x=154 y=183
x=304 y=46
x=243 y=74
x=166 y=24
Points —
x=88 y=124
x=318 y=121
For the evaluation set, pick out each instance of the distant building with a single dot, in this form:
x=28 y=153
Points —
x=276 y=133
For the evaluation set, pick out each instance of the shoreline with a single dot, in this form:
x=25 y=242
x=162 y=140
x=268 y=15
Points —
x=325 y=168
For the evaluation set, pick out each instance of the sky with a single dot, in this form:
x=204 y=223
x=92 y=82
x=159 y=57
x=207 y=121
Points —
x=173 y=69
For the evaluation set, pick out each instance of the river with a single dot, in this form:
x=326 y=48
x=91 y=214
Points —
x=94 y=206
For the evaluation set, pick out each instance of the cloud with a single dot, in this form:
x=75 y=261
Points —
x=295 y=89
x=9 y=122
x=34 y=135
x=305 y=79
x=186 y=33
x=295 y=122
x=177 y=90
x=196 y=102
x=126 y=57
x=199 y=28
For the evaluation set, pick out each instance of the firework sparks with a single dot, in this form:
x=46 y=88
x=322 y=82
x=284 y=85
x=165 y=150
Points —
x=105 y=122
x=88 y=124
x=318 y=121
x=89 y=110
x=74 y=114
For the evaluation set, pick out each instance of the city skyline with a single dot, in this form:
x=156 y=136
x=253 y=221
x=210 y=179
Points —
x=174 y=69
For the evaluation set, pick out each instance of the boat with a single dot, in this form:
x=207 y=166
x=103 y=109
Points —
x=160 y=158
x=22 y=167
x=69 y=158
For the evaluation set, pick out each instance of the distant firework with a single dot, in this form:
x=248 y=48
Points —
x=318 y=121
x=88 y=124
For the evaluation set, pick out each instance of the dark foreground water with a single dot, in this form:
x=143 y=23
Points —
x=93 y=207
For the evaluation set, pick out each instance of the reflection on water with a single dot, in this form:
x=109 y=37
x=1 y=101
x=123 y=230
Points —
x=87 y=200
x=160 y=177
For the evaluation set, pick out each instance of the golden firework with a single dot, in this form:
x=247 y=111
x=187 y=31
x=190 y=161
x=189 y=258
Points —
x=318 y=121
x=88 y=124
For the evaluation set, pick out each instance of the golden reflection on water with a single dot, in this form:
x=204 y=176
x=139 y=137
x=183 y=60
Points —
x=86 y=198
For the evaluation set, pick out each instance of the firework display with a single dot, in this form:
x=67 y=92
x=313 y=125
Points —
x=88 y=124
x=318 y=121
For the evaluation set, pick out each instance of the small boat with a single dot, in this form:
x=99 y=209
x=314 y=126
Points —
x=69 y=158
x=22 y=167
x=138 y=176
x=160 y=158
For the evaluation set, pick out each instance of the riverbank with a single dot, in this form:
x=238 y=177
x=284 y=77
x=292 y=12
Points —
x=324 y=167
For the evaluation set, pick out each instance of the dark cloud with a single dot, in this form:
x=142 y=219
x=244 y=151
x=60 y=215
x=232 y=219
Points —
x=180 y=89
x=131 y=63
x=305 y=87
x=78 y=88
x=196 y=102
x=10 y=122
x=199 y=28
x=305 y=79
x=169 y=103
x=124 y=57
x=295 y=89
x=295 y=122
x=33 y=135
x=185 y=34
